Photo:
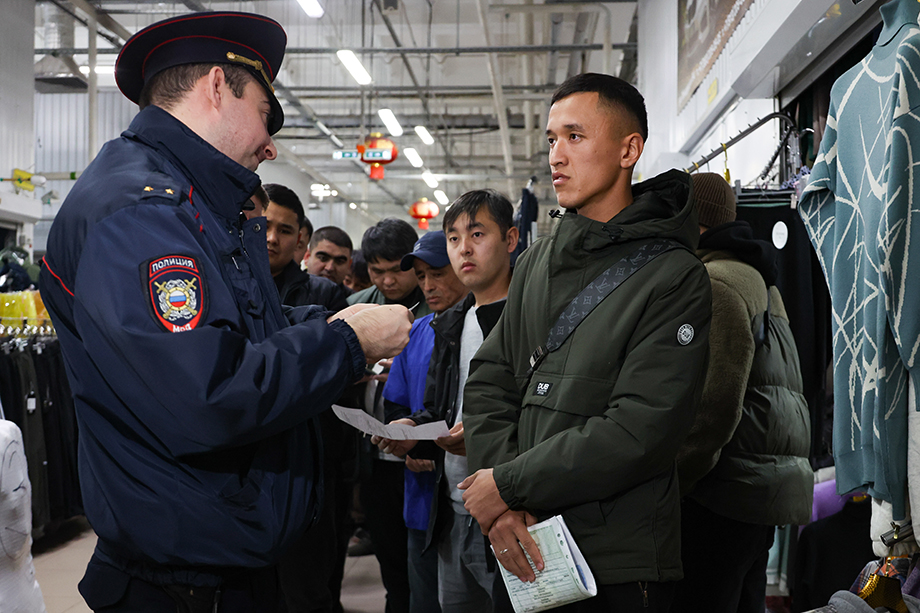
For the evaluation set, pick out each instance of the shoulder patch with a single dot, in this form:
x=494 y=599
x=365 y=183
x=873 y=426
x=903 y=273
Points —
x=176 y=291
x=685 y=334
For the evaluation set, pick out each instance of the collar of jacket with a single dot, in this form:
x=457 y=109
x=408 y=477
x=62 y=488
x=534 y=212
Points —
x=292 y=273
x=449 y=324
x=661 y=208
x=226 y=184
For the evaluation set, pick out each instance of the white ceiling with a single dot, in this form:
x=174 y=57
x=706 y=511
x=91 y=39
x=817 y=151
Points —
x=437 y=81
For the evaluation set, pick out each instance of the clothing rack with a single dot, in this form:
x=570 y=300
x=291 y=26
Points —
x=35 y=395
x=784 y=118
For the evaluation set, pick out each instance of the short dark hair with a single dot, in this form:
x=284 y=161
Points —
x=359 y=268
x=285 y=196
x=167 y=87
x=472 y=202
x=333 y=234
x=613 y=91
x=389 y=240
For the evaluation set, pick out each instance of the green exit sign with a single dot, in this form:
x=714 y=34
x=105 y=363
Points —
x=345 y=155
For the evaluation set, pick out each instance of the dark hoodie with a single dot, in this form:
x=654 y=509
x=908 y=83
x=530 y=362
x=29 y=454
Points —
x=738 y=238
x=594 y=432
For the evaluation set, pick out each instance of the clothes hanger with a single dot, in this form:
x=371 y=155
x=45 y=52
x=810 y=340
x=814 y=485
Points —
x=883 y=589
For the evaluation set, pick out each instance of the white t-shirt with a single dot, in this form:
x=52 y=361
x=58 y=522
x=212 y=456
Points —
x=455 y=468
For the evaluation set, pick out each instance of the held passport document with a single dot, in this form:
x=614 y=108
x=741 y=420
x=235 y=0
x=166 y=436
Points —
x=565 y=576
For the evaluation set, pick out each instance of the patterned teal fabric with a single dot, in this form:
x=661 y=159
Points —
x=861 y=212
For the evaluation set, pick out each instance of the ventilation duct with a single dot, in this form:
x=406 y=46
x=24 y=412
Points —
x=56 y=75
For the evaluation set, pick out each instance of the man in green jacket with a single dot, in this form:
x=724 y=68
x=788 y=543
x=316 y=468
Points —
x=744 y=467
x=592 y=429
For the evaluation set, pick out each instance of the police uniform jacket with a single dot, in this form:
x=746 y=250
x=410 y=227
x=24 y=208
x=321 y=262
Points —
x=196 y=395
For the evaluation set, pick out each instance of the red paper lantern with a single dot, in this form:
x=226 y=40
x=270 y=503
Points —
x=423 y=210
x=377 y=151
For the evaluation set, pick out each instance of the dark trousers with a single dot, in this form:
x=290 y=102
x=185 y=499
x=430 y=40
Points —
x=634 y=597
x=725 y=563
x=423 y=575
x=109 y=590
x=382 y=495
x=311 y=569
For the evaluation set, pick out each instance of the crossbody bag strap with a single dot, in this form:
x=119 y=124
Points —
x=595 y=292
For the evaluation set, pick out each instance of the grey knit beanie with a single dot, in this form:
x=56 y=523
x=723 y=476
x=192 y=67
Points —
x=714 y=198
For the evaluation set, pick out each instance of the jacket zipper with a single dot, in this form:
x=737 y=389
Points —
x=644 y=588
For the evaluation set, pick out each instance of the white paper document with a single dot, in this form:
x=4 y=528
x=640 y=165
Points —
x=565 y=576
x=397 y=432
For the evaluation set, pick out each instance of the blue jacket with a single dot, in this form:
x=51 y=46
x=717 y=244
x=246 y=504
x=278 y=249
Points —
x=404 y=394
x=196 y=397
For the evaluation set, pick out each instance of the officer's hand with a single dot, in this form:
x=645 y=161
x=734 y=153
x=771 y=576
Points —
x=348 y=312
x=453 y=443
x=383 y=330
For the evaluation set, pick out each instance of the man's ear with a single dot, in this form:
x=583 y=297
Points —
x=633 y=145
x=513 y=235
x=215 y=81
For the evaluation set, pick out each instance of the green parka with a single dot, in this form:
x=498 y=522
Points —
x=594 y=432
x=746 y=456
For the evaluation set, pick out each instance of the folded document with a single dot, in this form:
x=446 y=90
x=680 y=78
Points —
x=565 y=576
x=397 y=432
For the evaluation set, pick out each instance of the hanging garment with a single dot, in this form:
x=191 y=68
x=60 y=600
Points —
x=830 y=553
x=59 y=424
x=862 y=212
x=33 y=435
x=524 y=221
x=19 y=590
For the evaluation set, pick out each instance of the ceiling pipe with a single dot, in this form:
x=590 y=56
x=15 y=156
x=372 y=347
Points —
x=501 y=112
x=418 y=86
x=573 y=7
x=480 y=50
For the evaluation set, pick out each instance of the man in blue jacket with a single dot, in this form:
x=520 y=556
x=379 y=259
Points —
x=196 y=395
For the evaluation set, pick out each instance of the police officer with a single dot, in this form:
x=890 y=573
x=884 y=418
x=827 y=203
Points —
x=196 y=395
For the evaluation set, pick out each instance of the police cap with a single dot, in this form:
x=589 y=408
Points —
x=253 y=42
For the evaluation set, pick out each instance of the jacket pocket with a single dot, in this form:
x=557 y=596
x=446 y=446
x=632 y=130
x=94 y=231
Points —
x=242 y=492
x=579 y=396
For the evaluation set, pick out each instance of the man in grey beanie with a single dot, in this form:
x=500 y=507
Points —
x=743 y=468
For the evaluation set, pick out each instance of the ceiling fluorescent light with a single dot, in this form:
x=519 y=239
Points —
x=429 y=179
x=441 y=197
x=312 y=8
x=100 y=69
x=389 y=120
x=414 y=158
x=424 y=134
x=353 y=64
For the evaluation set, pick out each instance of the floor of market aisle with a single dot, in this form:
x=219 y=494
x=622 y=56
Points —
x=61 y=559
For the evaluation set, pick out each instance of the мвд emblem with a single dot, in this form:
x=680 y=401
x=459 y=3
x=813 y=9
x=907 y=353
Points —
x=176 y=292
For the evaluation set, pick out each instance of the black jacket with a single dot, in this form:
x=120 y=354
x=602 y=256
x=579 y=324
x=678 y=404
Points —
x=299 y=288
x=442 y=387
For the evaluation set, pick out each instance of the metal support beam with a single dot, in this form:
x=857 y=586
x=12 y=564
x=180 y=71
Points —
x=573 y=7
x=501 y=112
x=421 y=96
x=508 y=49
x=93 y=91
x=194 y=5
x=102 y=19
